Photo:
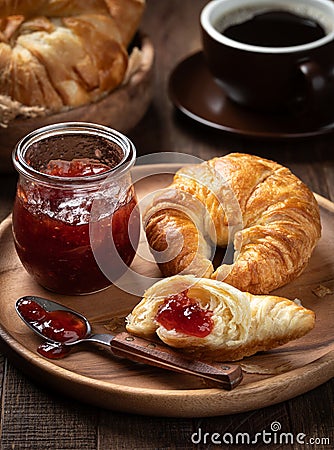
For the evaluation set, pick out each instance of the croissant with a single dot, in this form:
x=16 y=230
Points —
x=64 y=53
x=267 y=213
x=212 y=320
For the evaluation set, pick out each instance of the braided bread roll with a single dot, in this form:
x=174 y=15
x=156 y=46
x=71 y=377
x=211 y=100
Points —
x=64 y=53
x=242 y=324
x=270 y=215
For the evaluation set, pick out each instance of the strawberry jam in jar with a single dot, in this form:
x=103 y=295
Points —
x=75 y=200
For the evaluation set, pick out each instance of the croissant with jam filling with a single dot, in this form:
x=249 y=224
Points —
x=212 y=320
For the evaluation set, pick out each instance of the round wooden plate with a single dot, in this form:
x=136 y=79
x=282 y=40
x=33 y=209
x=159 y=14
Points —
x=93 y=375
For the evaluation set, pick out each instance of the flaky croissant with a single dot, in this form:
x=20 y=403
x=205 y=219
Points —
x=64 y=53
x=241 y=323
x=269 y=215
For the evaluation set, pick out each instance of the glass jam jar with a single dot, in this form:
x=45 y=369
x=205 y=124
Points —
x=63 y=170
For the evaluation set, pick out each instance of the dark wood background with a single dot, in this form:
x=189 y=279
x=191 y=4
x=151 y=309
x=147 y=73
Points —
x=34 y=418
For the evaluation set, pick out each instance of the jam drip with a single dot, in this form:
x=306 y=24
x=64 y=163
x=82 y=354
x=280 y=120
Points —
x=184 y=315
x=60 y=326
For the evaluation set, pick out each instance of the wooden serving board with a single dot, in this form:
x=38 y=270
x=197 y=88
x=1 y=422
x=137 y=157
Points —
x=94 y=376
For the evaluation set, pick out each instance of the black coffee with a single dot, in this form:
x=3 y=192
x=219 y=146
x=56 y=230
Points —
x=275 y=29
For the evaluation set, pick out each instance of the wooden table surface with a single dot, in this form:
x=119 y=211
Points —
x=32 y=417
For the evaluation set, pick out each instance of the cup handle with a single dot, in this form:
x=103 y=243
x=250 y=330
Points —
x=317 y=90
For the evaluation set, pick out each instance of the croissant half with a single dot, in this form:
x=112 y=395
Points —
x=242 y=323
x=269 y=215
x=61 y=53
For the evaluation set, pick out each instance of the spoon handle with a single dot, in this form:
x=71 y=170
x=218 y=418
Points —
x=227 y=376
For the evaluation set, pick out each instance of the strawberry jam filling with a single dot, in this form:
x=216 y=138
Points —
x=184 y=315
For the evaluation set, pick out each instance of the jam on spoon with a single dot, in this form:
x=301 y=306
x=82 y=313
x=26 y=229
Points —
x=51 y=320
x=60 y=326
x=184 y=315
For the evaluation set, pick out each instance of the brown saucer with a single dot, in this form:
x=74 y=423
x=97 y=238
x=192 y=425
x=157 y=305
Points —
x=194 y=91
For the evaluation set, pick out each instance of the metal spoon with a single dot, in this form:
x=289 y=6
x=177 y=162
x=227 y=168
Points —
x=137 y=349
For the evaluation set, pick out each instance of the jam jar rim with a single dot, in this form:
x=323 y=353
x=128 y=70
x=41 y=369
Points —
x=38 y=134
